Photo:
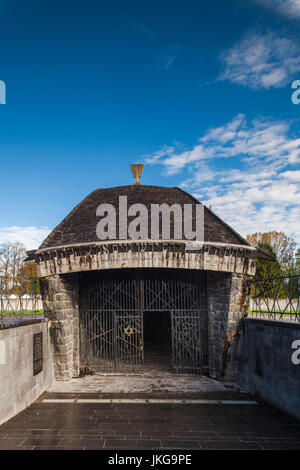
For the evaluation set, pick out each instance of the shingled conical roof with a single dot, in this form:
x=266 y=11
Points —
x=79 y=227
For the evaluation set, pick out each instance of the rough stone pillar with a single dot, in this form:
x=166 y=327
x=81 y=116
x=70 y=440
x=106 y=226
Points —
x=218 y=287
x=238 y=309
x=227 y=296
x=61 y=306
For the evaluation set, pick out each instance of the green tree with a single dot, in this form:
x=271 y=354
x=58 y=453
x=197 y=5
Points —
x=266 y=271
x=276 y=277
x=282 y=245
x=297 y=261
x=28 y=275
x=11 y=260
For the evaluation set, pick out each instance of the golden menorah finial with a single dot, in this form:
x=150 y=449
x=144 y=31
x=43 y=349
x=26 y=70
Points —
x=137 y=170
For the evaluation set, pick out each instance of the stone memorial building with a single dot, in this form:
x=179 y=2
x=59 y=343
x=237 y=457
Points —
x=119 y=304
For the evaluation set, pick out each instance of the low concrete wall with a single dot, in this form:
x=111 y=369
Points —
x=18 y=386
x=265 y=366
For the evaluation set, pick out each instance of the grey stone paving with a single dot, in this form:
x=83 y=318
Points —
x=150 y=426
x=151 y=382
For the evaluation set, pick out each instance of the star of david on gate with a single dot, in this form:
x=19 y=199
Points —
x=128 y=331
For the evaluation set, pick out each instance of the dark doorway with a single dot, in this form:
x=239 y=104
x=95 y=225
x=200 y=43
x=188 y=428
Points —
x=157 y=341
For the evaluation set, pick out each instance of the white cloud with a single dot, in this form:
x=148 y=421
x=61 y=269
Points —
x=290 y=8
x=292 y=175
x=246 y=172
x=261 y=61
x=259 y=140
x=31 y=237
x=168 y=56
x=249 y=212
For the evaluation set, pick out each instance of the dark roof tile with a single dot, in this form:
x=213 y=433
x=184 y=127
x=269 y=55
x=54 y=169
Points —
x=80 y=225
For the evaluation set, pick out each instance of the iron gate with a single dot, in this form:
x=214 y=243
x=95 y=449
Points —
x=111 y=325
x=129 y=351
x=188 y=342
x=111 y=318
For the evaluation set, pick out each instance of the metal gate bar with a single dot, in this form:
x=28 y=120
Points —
x=129 y=351
x=189 y=338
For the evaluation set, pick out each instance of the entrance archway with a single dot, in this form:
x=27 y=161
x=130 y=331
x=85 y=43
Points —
x=117 y=307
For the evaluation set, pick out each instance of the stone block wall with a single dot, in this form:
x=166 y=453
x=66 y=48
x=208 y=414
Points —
x=218 y=288
x=227 y=300
x=61 y=307
x=239 y=298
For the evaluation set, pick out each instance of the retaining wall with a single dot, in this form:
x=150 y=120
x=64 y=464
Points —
x=265 y=365
x=19 y=387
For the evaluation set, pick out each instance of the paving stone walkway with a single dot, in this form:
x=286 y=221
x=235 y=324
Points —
x=91 y=425
x=152 y=382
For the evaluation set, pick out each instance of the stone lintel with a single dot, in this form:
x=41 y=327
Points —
x=238 y=259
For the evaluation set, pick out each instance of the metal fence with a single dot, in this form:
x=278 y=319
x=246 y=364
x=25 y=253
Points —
x=19 y=301
x=276 y=298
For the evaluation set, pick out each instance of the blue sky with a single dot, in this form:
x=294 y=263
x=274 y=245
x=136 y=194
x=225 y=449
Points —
x=200 y=91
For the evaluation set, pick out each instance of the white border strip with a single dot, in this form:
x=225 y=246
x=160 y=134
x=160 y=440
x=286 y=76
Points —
x=149 y=401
